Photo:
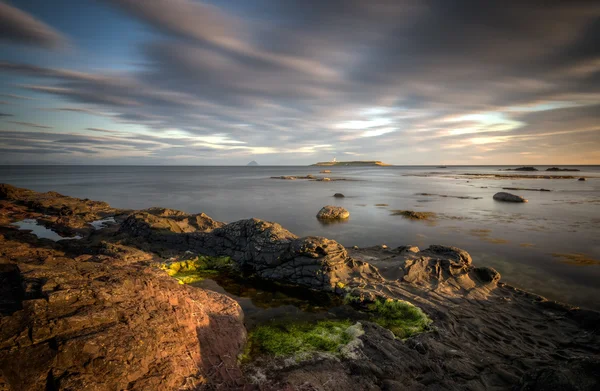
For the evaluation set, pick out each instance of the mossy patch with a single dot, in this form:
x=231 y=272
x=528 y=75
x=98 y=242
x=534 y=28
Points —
x=194 y=270
x=299 y=339
x=399 y=316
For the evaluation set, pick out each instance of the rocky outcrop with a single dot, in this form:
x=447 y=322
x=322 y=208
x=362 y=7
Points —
x=97 y=322
x=66 y=215
x=507 y=197
x=528 y=168
x=265 y=249
x=330 y=212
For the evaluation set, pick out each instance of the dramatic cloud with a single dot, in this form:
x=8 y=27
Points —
x=19 y=27
x=407 y=81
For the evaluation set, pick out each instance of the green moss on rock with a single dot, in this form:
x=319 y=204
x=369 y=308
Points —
x=400 y=317
x=288 y=339
x=194 y=270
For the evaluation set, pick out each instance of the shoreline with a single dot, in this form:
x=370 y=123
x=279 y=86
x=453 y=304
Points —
x=471 y=310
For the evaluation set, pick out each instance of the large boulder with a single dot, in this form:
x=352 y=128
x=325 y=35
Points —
x=330 y=212
x=507 y=197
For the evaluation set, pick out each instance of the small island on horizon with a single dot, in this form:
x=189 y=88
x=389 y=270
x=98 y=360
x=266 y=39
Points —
x=252 y=163
x=353 y=163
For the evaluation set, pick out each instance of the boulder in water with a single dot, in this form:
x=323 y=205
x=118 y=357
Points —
x=507 y=197
x=339 y=195
x=582 y=179
x=333 y=213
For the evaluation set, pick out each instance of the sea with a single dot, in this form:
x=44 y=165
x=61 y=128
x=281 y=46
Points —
x=549 y=245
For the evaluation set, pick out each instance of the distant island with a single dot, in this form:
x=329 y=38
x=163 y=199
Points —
x=252 y=163
x=352 y=163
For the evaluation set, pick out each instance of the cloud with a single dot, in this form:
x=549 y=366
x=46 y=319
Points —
x=29 y=124
x=303 y=80
x=103 y=130
x=19 y=27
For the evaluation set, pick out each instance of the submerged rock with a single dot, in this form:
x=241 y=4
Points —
x=411 y=214
x=507 y=197
x=333 y=213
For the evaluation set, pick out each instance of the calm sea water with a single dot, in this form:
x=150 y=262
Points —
x=550 y=245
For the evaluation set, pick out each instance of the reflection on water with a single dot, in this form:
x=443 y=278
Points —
x=99 y=224
x=40 y=231
x=564 y=220
x=263 y=301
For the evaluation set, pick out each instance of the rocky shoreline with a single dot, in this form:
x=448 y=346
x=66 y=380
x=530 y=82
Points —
x=96 y=314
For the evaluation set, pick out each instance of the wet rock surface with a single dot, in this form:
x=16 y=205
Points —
x=94 y=314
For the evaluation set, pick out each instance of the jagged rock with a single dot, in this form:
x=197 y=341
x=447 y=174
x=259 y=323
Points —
x=339 y=195
x=333 y=213
x=144 y=222
x=507 y=197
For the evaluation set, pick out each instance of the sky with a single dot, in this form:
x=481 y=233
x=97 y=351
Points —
x=286 y=82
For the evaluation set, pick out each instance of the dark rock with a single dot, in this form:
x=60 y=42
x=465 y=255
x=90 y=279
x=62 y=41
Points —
x=581 y=179
x=338 y=195
x=561 y=169
x=487 y=274
x=528 y=168
x=507 y=197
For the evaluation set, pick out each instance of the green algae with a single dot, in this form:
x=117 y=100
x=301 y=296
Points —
x=300 y=339
x=400 y=317
x=194 y=270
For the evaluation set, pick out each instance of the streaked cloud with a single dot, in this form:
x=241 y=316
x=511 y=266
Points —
x=299 y=81
x=29 y=124
x=17 y=26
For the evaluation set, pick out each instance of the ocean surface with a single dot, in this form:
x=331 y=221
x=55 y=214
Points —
x=550 y=245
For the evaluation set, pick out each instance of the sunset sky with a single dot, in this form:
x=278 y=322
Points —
x=294 y=82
